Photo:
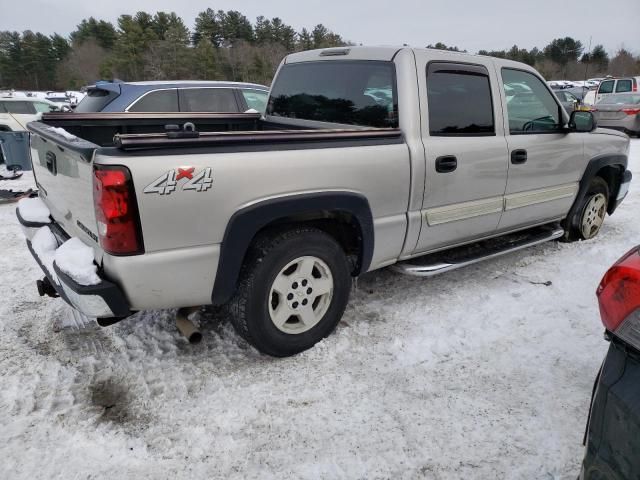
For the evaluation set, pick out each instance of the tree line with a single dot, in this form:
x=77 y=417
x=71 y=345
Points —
x=566 y=58
x=225 y=46
x=221 y=46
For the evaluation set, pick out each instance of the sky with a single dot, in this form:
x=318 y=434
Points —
x=469 y=24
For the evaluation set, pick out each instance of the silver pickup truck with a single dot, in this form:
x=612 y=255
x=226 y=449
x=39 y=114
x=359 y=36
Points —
x=367 y=157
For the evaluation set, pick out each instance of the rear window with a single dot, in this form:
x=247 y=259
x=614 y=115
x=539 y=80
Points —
x=623 y=86
x=208 y=100
x=20 y=107
x=95 y=100
x=349 y=92
x=606 y=87
x=157 y=101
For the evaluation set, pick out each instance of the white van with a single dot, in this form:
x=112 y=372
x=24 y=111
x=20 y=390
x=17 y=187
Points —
x=617 y=85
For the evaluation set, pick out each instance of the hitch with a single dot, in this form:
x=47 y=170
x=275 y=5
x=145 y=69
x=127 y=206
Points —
x=46 y=288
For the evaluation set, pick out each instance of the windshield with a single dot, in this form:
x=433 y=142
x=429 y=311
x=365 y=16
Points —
x=621 y=99
x=349 y=92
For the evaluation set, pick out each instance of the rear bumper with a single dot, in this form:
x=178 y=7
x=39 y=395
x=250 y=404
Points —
x=104 y=301
x=613 y=438
x=630 y=124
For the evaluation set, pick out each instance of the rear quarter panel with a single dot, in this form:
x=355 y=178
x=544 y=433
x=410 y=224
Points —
x=187 y=218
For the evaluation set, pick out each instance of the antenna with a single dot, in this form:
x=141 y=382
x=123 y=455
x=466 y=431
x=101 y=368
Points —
x=586 y=66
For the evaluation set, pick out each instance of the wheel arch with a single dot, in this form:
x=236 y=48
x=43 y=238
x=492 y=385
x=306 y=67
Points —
x=611 y=169
x=328 y=211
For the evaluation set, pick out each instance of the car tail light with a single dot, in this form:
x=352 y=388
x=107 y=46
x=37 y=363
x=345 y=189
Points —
x=619 y=298
x=631 y=111
x=116 y=210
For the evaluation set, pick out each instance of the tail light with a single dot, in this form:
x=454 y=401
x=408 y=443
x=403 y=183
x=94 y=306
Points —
x=631 y=111
x=116 y=210
x=619 y=298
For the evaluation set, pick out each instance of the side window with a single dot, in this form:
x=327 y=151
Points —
x=3 y=109
x=534 y=110
x=208 y=100
x=256 y=99
x=459 y=99
x=157 y=101
x=606 y=87
x=623 y=86
x=44 y=107
x=25 y=108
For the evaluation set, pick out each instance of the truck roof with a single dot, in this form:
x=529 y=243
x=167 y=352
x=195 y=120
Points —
x=198 y=83
x=383 y=53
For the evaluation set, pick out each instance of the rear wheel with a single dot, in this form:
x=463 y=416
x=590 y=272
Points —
x=591 y=213
x=293 y=290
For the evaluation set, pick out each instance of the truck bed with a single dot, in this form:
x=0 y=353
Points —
x=135 y=131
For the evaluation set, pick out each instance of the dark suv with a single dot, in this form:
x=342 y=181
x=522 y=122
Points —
x=613 y=435
x=174 y=96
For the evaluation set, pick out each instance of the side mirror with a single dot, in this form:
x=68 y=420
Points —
x=582 y=121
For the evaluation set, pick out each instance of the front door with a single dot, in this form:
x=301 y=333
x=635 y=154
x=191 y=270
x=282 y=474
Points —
x=543 y=159
x=465 y=151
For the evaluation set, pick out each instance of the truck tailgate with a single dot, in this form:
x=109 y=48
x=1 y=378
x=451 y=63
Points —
x=63 y=168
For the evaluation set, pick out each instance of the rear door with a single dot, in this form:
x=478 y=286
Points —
x=543 y=159
x=163 y=100
x=465 y=150
x=624 y=85
x=208 y=100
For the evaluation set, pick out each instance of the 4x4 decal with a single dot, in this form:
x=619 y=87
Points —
x=168 y=182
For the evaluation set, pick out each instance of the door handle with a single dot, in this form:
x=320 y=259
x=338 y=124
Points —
x=51 y=162
x=446 y=164
x=518 y=156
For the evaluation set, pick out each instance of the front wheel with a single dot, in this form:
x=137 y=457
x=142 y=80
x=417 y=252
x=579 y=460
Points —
x=591 y=212
x=293 y=290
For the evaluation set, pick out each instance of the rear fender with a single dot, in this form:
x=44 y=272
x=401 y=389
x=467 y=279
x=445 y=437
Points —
x=246 y=223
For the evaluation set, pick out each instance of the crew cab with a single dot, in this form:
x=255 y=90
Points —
x=366 y=158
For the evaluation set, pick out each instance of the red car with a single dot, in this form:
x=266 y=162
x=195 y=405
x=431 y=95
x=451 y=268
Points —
x=613 y=432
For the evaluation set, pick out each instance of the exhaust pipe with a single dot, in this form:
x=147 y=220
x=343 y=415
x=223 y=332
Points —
x=186 y=326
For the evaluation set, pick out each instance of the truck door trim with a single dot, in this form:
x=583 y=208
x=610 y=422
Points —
x=463 y=211
x=533 y=197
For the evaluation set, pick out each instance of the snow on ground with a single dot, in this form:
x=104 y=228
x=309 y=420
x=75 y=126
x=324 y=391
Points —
x=25 y=182
x=483 y=373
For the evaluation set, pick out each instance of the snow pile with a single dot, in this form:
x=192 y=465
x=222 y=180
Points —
x=76 y=260
x=8 y=174
x=34 y=210
x=64 y=133
x=252 y=110
x=481 y=373
x=45 y=244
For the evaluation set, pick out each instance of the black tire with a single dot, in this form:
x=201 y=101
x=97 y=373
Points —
x=269 y=254
x=573 y=226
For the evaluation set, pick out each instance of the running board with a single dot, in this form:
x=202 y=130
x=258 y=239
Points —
x=440 y=262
